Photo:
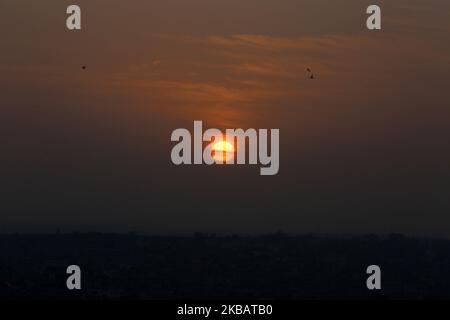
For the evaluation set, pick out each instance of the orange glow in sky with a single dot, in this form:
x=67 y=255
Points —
x=223 y=150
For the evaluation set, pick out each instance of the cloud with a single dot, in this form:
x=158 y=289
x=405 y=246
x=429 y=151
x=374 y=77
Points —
x=208 y=74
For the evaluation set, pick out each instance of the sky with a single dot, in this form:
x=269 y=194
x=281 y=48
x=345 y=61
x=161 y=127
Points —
x=364 y=147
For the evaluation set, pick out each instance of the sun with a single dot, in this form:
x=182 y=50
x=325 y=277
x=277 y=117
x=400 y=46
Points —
x=223 y=151
x=223 y=146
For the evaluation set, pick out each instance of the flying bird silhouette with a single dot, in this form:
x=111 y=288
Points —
x=311 y=74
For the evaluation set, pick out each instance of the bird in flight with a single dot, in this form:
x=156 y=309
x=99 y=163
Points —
x=311 y=74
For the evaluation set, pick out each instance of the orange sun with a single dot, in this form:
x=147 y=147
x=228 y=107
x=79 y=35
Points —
x=223 y=150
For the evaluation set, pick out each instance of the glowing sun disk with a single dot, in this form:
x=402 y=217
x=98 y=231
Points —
x=223 y=146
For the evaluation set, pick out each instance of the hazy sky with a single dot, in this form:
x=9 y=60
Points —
x=364 y=147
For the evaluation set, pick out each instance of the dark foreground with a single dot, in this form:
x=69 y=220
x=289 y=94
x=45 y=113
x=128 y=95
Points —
x=215 y=267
